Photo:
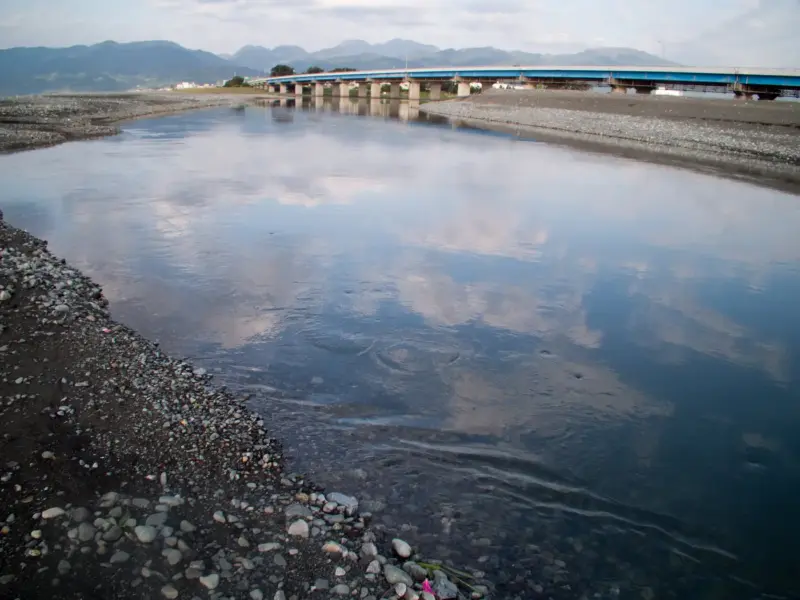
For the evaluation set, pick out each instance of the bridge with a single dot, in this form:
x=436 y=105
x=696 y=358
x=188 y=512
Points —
x=768 y=84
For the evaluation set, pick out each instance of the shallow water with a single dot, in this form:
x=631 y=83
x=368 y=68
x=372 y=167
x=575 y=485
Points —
x=575 y=372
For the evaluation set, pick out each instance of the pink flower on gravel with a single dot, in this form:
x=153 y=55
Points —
x=426 y=587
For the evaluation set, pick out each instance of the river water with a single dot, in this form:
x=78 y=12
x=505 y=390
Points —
x=578 y=373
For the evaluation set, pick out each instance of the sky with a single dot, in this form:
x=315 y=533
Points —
x=663 y=27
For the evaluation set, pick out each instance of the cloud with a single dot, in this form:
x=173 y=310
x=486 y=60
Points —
x=545 y=25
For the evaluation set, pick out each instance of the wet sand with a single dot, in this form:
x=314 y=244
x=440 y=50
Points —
x=751 y=140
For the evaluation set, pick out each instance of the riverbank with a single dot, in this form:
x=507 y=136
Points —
x=755 y=141
x=128 y=474
x=29 y=122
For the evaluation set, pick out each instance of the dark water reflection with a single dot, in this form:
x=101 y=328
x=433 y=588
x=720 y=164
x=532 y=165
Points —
x=518 y=354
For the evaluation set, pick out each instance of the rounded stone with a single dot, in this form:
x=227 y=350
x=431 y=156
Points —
x=173 y=556
x=187 y=527
x=394 y=575
x=210 y=581
x=119 y=557
x=145 y=533
x=401 y=548
x=169 y=591
x=52 y=513
x=299 y=528
x=113 y=534
x=80 y=514
x=332 y=548
x=86 y=532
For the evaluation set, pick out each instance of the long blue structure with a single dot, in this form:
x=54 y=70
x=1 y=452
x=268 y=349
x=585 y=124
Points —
x=779 y=78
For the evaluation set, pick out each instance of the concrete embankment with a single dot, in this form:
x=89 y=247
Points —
x=757 y=141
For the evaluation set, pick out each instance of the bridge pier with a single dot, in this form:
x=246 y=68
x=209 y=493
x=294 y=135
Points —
x=394 y=90
x=342 y=89
x=298 y=89
x=319 y=90
x=362 y=90
x=413 y=91
x=435 y=91
x=375 y=89
x=282 y=89
x=464 y=89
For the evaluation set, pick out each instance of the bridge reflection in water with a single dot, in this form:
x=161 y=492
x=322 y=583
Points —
x=403 y=110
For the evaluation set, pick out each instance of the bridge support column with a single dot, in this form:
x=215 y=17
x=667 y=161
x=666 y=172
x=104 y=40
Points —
x=362 y=90
x=394 y=90
x=342 y=89
x=298 y=89
x=435 y=91
x=464 y=89
x=413 y=91
x=319 y=90
x=282 y=89
x=374 y=90
x=619 y=89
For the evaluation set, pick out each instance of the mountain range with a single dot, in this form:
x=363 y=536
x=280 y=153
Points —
x=112 y=66
x=398 y=53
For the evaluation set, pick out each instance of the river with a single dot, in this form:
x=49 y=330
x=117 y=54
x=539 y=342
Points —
x=578 y=373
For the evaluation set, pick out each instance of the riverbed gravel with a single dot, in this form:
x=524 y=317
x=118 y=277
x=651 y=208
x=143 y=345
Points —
x=127 y=473
x=28 y=122
x=755 y=140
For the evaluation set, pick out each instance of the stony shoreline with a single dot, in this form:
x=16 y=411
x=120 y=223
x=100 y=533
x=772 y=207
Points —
x=29 y=122
x=128 y=474
x=755 y=141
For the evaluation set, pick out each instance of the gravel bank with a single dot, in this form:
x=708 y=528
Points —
x=28 y=122
x=126 y=474
x=758 y=141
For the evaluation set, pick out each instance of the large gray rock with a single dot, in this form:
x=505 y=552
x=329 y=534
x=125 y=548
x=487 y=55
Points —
x=80 y=514
x=145 y=533
x=210 y=581
x=417 y=572
x=401 y=548
x=349 y=502
x=369 y=550
x=443 y=587
x=299 y=528
x=394 y=575
x=86 y=532
x=298 y=510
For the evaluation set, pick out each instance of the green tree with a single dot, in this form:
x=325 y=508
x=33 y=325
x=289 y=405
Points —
x=342 y=70
x=237 y=81
x=281 y=71
x=314 y=69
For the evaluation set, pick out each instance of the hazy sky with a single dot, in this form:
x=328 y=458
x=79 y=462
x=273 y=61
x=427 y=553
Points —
x=536 y=25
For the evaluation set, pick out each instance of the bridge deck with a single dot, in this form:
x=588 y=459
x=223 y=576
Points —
x=778 y=78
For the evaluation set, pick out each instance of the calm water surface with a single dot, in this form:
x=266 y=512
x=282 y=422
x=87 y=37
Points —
x=517 y=354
